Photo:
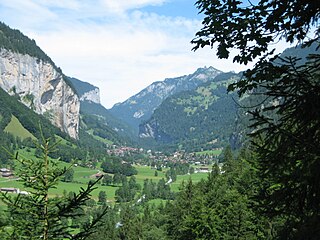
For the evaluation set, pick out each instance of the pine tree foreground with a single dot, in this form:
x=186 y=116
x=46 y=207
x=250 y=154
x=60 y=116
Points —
x=35 y=215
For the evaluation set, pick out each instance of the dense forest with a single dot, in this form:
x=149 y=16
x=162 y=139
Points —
x=15 y=41
x=106 y=125
x=219 y=207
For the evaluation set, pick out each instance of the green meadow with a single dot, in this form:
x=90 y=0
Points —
x=99 y=138
x=83 y=175
x=16 y=129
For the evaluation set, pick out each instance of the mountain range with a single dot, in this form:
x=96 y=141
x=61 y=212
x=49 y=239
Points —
x=191 y=112
x=199 y=118
x=141 y=106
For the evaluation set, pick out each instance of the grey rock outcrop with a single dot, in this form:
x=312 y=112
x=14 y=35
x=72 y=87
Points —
x=93 y=96
x=42 y=88
x=85 y=90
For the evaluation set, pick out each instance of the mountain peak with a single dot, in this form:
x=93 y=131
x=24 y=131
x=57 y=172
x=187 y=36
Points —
x=205 y=68
x=85 y=91
x=147 y=100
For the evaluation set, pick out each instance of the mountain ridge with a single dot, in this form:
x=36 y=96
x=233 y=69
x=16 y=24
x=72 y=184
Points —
x=140 y=106
x=187 y=118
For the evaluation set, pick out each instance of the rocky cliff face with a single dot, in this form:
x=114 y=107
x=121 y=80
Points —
x=42 y=88
x=93 y=96
x=86 y=91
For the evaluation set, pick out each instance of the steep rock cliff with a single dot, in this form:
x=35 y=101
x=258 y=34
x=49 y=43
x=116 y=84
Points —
x=93 y=96
x=41 y=87
x=86 y=91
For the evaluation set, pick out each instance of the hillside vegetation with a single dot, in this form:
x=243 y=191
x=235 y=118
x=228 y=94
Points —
x=187 y=118
x=16 y=129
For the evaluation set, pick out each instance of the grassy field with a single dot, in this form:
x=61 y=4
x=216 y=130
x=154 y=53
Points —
x=62 y=141
x=83 y=175
x=196 y=177
x=145 y=172
x=99 y=138
x=16 y=129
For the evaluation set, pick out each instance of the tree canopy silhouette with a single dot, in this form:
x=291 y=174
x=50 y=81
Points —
x=286 y=125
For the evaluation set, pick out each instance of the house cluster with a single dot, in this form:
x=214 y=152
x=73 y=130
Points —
x=183 y=157
x=123 y=151
x=156 y=157
x=5 y=172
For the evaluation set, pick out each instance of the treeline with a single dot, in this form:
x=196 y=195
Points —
x=223 y=206
x=107 y=122
x=130 y=190
x=160 y=190
x=219 y=207
x=196 y=113
x=98 y=126
x=114 y=165
x=15 y=41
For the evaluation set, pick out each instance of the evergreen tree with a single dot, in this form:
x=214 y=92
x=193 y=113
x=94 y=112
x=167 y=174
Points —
x=286 y=127
x=116 y=179
x=107 y=180
x=102 y=197
x=131 y=228
x=108 y=229
x=35 y=215
x=68 y=176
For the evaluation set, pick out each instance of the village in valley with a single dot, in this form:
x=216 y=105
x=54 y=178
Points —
x=200 y=162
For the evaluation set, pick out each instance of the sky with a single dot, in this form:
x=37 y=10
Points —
x=120 y=46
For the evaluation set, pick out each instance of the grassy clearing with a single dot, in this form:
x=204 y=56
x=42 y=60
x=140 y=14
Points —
x=145 y=172
x=16 y=129
x=62 y=141
x=99 y=138
x=157 y=201
x=196 y=177
x=83 y=175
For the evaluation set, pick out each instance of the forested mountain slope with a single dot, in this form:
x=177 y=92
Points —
x=98 y=120
x=200 y=118
x=140 y=107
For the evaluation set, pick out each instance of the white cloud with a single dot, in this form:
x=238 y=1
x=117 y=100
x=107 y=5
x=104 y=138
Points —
x=120 y=52
x=118 y=6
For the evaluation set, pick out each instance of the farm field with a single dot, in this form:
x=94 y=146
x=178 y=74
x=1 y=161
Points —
x=83 y=175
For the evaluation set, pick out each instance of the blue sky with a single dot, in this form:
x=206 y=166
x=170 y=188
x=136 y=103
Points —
x=121 y=46
x=173 y=8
